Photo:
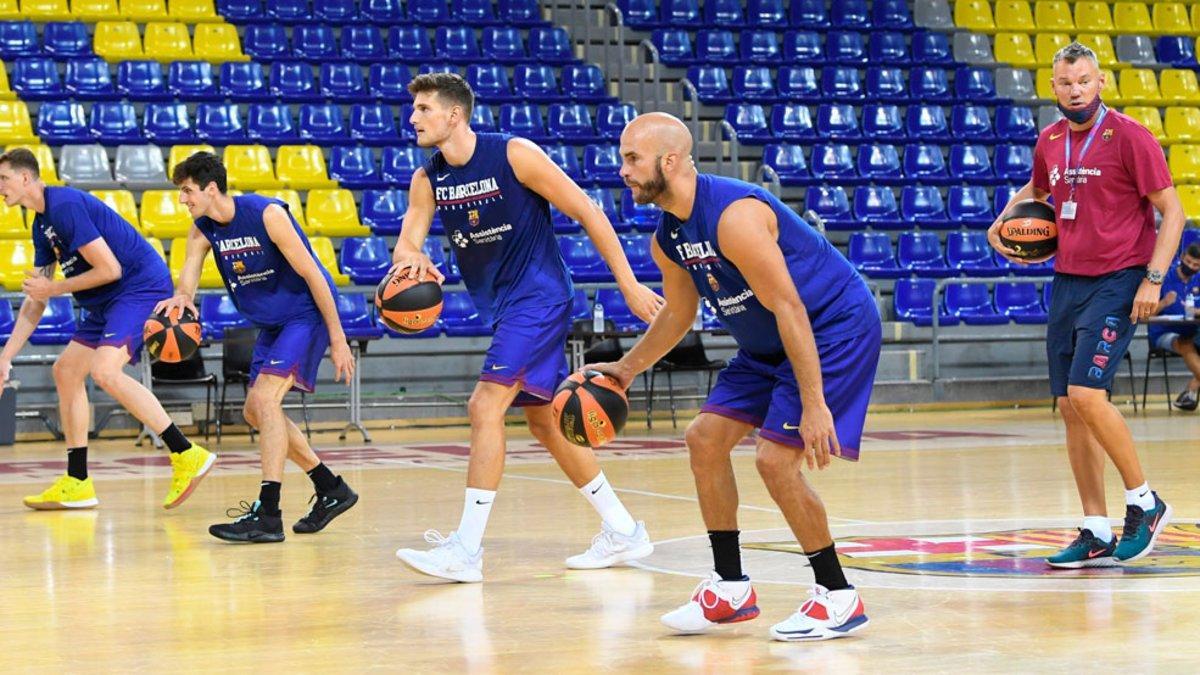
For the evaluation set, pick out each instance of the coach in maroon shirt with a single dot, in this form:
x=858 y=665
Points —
x=1106 y=174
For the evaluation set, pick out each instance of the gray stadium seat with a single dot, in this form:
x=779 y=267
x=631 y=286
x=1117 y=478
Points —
x=1015 y=83
x=973 y=48
x=1047 y=115
x=85 y=167
x=141 y=167
x=933 y=14
x=1136 y=49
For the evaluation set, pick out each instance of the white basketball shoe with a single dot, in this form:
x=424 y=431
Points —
x=447 y=559
x=610 y=547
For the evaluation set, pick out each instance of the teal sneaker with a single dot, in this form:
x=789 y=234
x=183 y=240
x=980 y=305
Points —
x=1142 y=529
x=1086 y=551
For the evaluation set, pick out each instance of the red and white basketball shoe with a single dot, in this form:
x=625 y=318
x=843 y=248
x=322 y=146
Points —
x=824 y=616
x=715 y=601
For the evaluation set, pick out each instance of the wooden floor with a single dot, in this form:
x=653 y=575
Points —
x=929 y=523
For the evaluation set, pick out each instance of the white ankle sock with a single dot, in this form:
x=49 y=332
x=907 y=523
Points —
x=477 y=506
x=600 y=494
x=1099 y=526
x=1140 y=496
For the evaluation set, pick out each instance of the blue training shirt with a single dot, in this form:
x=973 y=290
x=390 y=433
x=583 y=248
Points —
x=500 y=231
x=74 y=218
x=1172 y=282
x=840 y=306
x=263 y=285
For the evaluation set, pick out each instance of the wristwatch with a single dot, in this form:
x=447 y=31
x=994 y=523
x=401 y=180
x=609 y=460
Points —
x=1155 y=277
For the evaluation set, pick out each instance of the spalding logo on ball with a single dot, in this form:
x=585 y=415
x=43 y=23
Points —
x=172 y=338
x=1029 y=229
x=590 y=408
x=408 y=305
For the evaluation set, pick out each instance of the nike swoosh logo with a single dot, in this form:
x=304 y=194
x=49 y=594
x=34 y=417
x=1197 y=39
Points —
x=499 y=367
x=333 y=504
x=791 y=427
x=1055 y=137
x=1144 y=493
x=481 y=503
x=108 y=335
x=598 y=488
x=843 y=617
x=1097 y=553
x=443 y=176
x=275 y=363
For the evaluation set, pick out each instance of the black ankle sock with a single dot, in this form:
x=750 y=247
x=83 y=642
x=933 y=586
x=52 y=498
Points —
x=268 y=497
x=828 y=569
x=727 y=557
x=77 y=463
x=323 y=479
x=175 y=439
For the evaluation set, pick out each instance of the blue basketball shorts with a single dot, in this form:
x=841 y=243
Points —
x=119 y=322
x=763 y=392
x=294 y=349
x=530 y=348
x=1089 y=328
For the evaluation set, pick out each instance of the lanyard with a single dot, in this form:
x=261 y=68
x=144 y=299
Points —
x=1087 y=143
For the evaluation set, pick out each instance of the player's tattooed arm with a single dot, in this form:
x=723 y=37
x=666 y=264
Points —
x=46 y=271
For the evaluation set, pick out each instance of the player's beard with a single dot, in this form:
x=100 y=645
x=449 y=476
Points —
x=652 y=189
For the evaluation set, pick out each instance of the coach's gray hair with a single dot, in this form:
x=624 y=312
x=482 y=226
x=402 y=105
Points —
x=1075 y=51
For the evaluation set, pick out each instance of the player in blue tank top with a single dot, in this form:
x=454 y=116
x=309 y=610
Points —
x=809 y=336
x=117 y=278
x=276 y=282
x=493 y=193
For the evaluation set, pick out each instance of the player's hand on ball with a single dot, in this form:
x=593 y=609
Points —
x=819 y=434
x=343 y=360
x=418 y=265
x=612 y=371
x=178 y=302
x=993 y=237
x=643 y=302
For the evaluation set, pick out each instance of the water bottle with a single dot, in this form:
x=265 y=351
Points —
x=698 y=322
x=1189 y=305
x=597 y=318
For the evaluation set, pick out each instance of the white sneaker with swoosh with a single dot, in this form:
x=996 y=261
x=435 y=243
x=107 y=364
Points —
x=613 y=548
x=824 y=616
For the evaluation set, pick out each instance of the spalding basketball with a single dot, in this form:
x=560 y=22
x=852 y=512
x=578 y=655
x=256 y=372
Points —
x=1029 y=229
x=172 y=338
x=590 y=408
x=408 y=305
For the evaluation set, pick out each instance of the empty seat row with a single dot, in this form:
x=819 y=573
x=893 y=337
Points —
x=167 y=41
x=189 y=11
x=1021 y=50
x=810 y=14
x=1142 y=86
x=1170 y=18
x=971 y=304
x=883 y=164
x=713 y=85
x=721 y=46
x=964 y=206
x=966 y=254
x=383 y=12
x=880 y=122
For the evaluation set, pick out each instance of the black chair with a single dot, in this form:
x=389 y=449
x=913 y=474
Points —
x=237 y=357
x=687 y=356
x=189 y=372
x=1163 y=355
x=598 y=349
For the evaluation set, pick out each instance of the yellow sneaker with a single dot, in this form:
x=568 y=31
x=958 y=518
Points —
x=65 y=493
x=188 y=468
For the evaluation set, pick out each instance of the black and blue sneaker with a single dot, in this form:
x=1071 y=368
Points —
x=1142 y=529
x=326 y=507
x=1087 y=550
x=252 y=525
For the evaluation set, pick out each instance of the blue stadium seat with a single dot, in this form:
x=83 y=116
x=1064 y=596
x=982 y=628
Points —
x=19 y=38
x=929 y=84
x=888 y=48
x=550 y=44
x=723 y=13
x=799 y=84
x=192 y=81
x=336 y=12
x=611 y=119
x=845 y=48
x=680 y=13
x=583 y=260
x=922 y=206
x=400 y=163
x=482 y=118
x=446 y=264
x=271 y=124
x=872 y=255
x=1176 y=50
x=1020 y=302
x=474 y=12
x=460 y=317
x=585 y=82
x=383 y=210
x=927 y=123
x=565 y=157
x=969 y=206
x=887 y=84
x=833 y=163
x=921 y=253
x=972 y=304
x=850 y=14
x=365 y=259
x=891 y=15
x=36 y=79
x=602 y=165
x=1001 y=196
x=581 y=306
x=831 y=203
x=971 y=122
x=218 y=313
x=343 y=82
x=294 y=82
x=969 y=253
x=388 y=82
x=490 y=82
x=114 y=123
x=1015 y=124
x=1013 y=163
x=749 y=123
x=89 y=79
x=520 y=12
x=883 y=123
x=167 y=124
x=59 y=123
x=766 y=14
x=808 y=14
x=760 y=46
x=456 y=44
x=142 y=81
x=288 y=11
x=880 y=163
x=243 y=81
x=924 y=163
x=373 y=124
x=931 y=48
x=842 y=83
x=674 y=47
x=315 y=44
x=644 y=217
x=409 y=44
x=711 y=83
x=66 y=40
x=503 y=44
x=617 y=311
x=837 y=121
x=266 y=42
x=57 y=325
x=789 y=164
x=220 y=123
x=388 y=12
x=975 y=84
x=604 y=198
x=354 y=167
x=875 y=206
x=355 y=315
x=523 y=119
x=243 y=11
x=793 y=122
x=913 y=302
x=803 y=47
x=754 y=83
x=363 y=43
x=971 y=164
x=536 y=83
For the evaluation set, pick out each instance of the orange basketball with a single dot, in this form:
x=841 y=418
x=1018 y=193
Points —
x=590 y=408
x=408 y=305
x=172 y=338
x=1029 y=228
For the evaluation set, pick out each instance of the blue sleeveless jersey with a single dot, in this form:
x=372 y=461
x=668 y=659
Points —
x=840 y=306
x=261 y=282
x=500 y=231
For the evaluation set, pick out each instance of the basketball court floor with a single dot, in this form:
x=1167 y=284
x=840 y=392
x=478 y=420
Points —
x=942 y=526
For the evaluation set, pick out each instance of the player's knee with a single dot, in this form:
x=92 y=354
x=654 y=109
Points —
x=484 y=408
x=68 y=371
x=1086 y=401
x=1184 y=346
x=257 y=407
x=106 y=375
x=701 y=445
x=541 y=426
x=772 y=459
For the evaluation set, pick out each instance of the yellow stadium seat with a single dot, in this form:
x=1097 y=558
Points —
x=249 y=167
x=1184 y=162
x=1189 y=197
x=1103 y=46
x=142 y=11
x=1138 y=85
x=1046 y=45
x=1113 y=94
x=6 y=92
x=323 y=249
x=1093 y=17
x=168 y=41
x=163 y=216
x=122 y=202
x=12 y=223
x=1195 y=18
x=1171 y=18
x=1015 y=49
x=1179 y=87
x=15 y=126
x=45 y=10
x=1149 y=118
x=181 y=152
x=210 y=276
x=45 y=158
x=117 y=41
x=1132 y=18
x=157 y=245
x=295 y=206
x=1045 y=83
x=1182 y=124
x=192 y=11
x=1053 y=16
x=16 y=256
x=332 y=213
x=9 y=10
x=1013 y=15
x=218 y=43
x=302 y=167
x=95 y=10
x=974 y=15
